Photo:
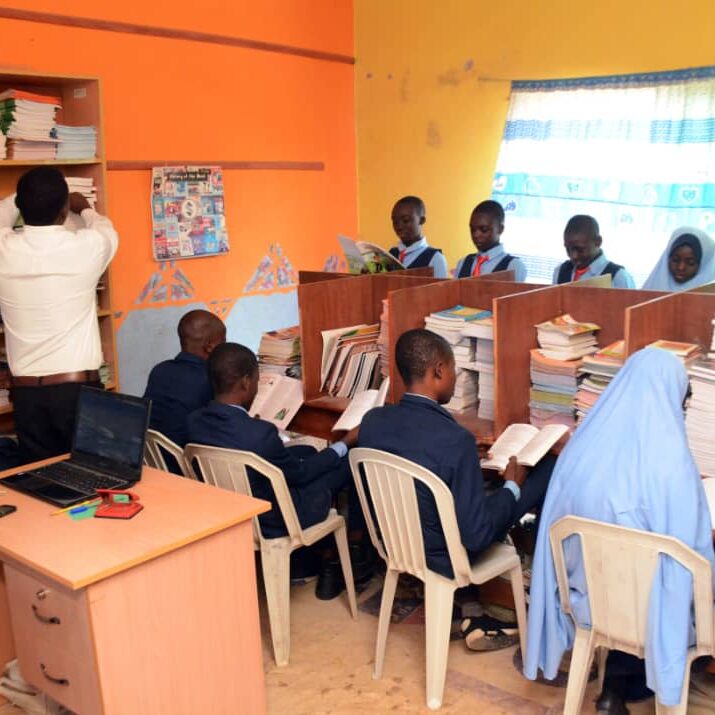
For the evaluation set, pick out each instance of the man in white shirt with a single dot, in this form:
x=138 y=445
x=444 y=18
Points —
x=48 y=281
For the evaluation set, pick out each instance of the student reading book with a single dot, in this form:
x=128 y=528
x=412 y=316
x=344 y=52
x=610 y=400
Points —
x=277 y=400
x=525 y=442
x=364 y=257
x=360 y=405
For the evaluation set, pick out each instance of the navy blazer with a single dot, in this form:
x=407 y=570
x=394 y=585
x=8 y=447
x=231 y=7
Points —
x=420 y=430
x=176 y=388
x=221 y=425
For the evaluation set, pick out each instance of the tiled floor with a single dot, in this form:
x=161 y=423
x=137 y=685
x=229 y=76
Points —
x=330 y=671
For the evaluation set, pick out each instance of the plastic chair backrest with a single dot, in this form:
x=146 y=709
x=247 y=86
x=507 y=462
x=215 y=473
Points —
x=155 y=447
x=227 y=469
x=619 y=566
x=391 y=486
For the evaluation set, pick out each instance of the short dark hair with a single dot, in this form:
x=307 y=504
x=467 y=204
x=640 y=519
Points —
x=227 y=364
x=41 y=195
x=490 y=208
x=198 y=326
x=583 y=224
x=415 y=202
x=417 y=350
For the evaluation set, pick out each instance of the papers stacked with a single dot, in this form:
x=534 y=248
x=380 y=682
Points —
x=700 y=415
x=451 y=324
x=564 y=338
x=27 y=120
x=686 y=352
x=350 y=360
x=597 y=371
x=83 y=185
x=279 y=352
x=554 y=384
x=383 y=340
x=75 y=142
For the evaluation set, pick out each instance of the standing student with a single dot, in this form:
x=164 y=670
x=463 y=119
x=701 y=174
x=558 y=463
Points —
x=179 y=386
x=48 y=300
x=582 y=241
x=408 y=217
x=687 y=262
x=486 y=225
x=628 y=464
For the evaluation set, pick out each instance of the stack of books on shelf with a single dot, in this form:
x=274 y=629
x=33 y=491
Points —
x=279 y=352
x=75 y=142
x=482 y=331
x=28 y=120
x=597 y=371
x=700 y=415
x=563 y=342
x=383 y=340
x=83 y=185
x=350 y=363
x=451 y=324
x=685 y=352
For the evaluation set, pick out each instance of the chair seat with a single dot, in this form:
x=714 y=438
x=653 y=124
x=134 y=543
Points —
x=493 y=562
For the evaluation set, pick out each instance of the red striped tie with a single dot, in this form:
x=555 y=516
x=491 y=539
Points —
x=481 y=260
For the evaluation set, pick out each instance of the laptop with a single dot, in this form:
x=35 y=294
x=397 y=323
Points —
x=107 y=451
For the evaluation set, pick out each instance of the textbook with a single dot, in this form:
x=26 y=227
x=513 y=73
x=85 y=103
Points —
x=277 y=400
x=525 y=442
x=364 y=257
x=684 y=351
x=350 y=360
x=279 y=352
x=564 y=338
x=360 y=405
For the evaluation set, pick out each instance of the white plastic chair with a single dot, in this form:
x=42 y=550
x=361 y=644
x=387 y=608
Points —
x=156 y=445
x=619 y=565
x=226 y=468
x=391 y=485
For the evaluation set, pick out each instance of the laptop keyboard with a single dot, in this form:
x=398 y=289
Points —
x=79 y=479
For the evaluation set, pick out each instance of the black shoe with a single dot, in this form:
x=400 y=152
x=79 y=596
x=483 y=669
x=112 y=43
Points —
x=610 y=703
x=363 y=558
x=330 y=582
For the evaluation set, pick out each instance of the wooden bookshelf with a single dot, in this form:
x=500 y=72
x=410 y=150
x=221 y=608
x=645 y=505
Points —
x=81 y=106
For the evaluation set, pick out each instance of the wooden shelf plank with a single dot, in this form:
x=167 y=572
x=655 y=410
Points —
x=48 y=162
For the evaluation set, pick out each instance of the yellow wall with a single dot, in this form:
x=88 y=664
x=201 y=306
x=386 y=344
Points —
x=432 y=83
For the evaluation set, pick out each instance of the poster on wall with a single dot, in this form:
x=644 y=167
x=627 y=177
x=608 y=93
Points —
x=187 y=212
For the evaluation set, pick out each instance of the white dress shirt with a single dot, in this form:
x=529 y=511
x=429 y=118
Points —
x=48 y=281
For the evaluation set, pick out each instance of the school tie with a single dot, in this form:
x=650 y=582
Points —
x=578 y=272
x=402 y=255
x=481 y=260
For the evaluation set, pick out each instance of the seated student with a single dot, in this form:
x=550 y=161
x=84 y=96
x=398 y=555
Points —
x=687 y=262
x=312 y=480
x=179 y=386
x=421 y=430
x=628 y=464
x=486 y=225
x=408 y=217
x=582 y=241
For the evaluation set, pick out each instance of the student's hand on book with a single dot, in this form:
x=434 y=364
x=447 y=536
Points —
x=515 y=472
x=350 y=438
x=78 y=203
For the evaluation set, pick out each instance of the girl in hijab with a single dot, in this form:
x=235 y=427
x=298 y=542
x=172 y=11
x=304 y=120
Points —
x=627 y=464
x=687 y=262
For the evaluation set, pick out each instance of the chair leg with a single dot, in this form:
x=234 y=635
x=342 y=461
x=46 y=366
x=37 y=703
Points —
x=341 y=541
x=517 y=588
x=602 y=655
x=578 y=673
x=383 y=623
x=439 y=598
x=682 y=707
x=275 y=563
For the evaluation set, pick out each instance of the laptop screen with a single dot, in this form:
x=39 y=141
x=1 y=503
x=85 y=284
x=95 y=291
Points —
x=110 y=430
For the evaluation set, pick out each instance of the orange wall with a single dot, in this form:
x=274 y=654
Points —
x=167 y=99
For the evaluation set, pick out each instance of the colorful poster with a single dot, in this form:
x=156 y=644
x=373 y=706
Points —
x=187 y=212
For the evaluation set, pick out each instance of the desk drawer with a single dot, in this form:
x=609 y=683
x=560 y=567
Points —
x=61 y=675
x=41 y=610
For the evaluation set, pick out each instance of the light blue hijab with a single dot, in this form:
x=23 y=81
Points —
x=627 y=464
x=660 y=277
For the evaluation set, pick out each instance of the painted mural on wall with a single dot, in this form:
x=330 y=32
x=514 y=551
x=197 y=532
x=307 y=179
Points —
x=274 y=271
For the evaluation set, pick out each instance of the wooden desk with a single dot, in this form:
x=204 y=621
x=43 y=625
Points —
x=157 y=614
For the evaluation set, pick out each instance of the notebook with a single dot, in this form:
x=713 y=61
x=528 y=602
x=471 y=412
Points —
x=107 y=451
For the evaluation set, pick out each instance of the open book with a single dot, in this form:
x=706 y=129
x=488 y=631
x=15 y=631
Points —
x=525 y=442
x=360 y=405
x=364 y=257
x=277 y=400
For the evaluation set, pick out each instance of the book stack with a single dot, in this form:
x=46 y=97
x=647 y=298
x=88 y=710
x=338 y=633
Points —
x=685 y=352
x=3 y=146
x=27 y=120
x=700 y=415
x=482 y=331
x=350 y=360
x=564 y=338
x=554 y=384
x=383 y=340
x=451 y=325
x=75 y=142
x=83 y=185
x=597 y=371
x=279 y=352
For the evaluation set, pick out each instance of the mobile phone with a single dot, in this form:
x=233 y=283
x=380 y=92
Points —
x=6 y=509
